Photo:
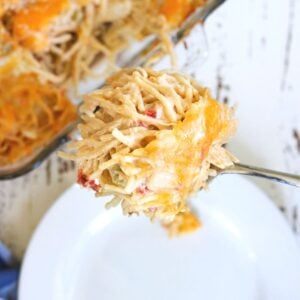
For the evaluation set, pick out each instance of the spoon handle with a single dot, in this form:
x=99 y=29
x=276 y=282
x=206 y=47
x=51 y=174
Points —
x=281 y=177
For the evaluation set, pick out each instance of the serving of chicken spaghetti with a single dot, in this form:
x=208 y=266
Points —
x=151 y=139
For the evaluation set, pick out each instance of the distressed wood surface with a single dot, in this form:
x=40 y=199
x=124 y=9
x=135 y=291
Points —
x=254 y=65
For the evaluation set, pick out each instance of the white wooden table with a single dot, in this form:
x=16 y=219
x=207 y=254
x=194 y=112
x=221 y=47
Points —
x=254 y=65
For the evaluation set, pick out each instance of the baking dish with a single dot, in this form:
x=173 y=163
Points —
x=147 y=52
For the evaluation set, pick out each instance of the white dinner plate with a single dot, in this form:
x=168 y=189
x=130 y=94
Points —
x=244 y=251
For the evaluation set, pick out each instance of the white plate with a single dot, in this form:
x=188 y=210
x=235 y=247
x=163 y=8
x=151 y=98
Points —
x=245 y=250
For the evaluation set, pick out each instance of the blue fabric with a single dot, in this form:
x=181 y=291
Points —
x=9 y=274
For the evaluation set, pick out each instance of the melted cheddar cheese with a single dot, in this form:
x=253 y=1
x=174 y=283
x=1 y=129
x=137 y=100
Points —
x=176 y=11
x=31 y=24
x=181 y=151
x=183 y=223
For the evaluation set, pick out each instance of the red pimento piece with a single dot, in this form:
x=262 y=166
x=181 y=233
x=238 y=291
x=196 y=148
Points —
x=150 y=113
x=93 y=185
x=83 y=180
x=142 y=189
